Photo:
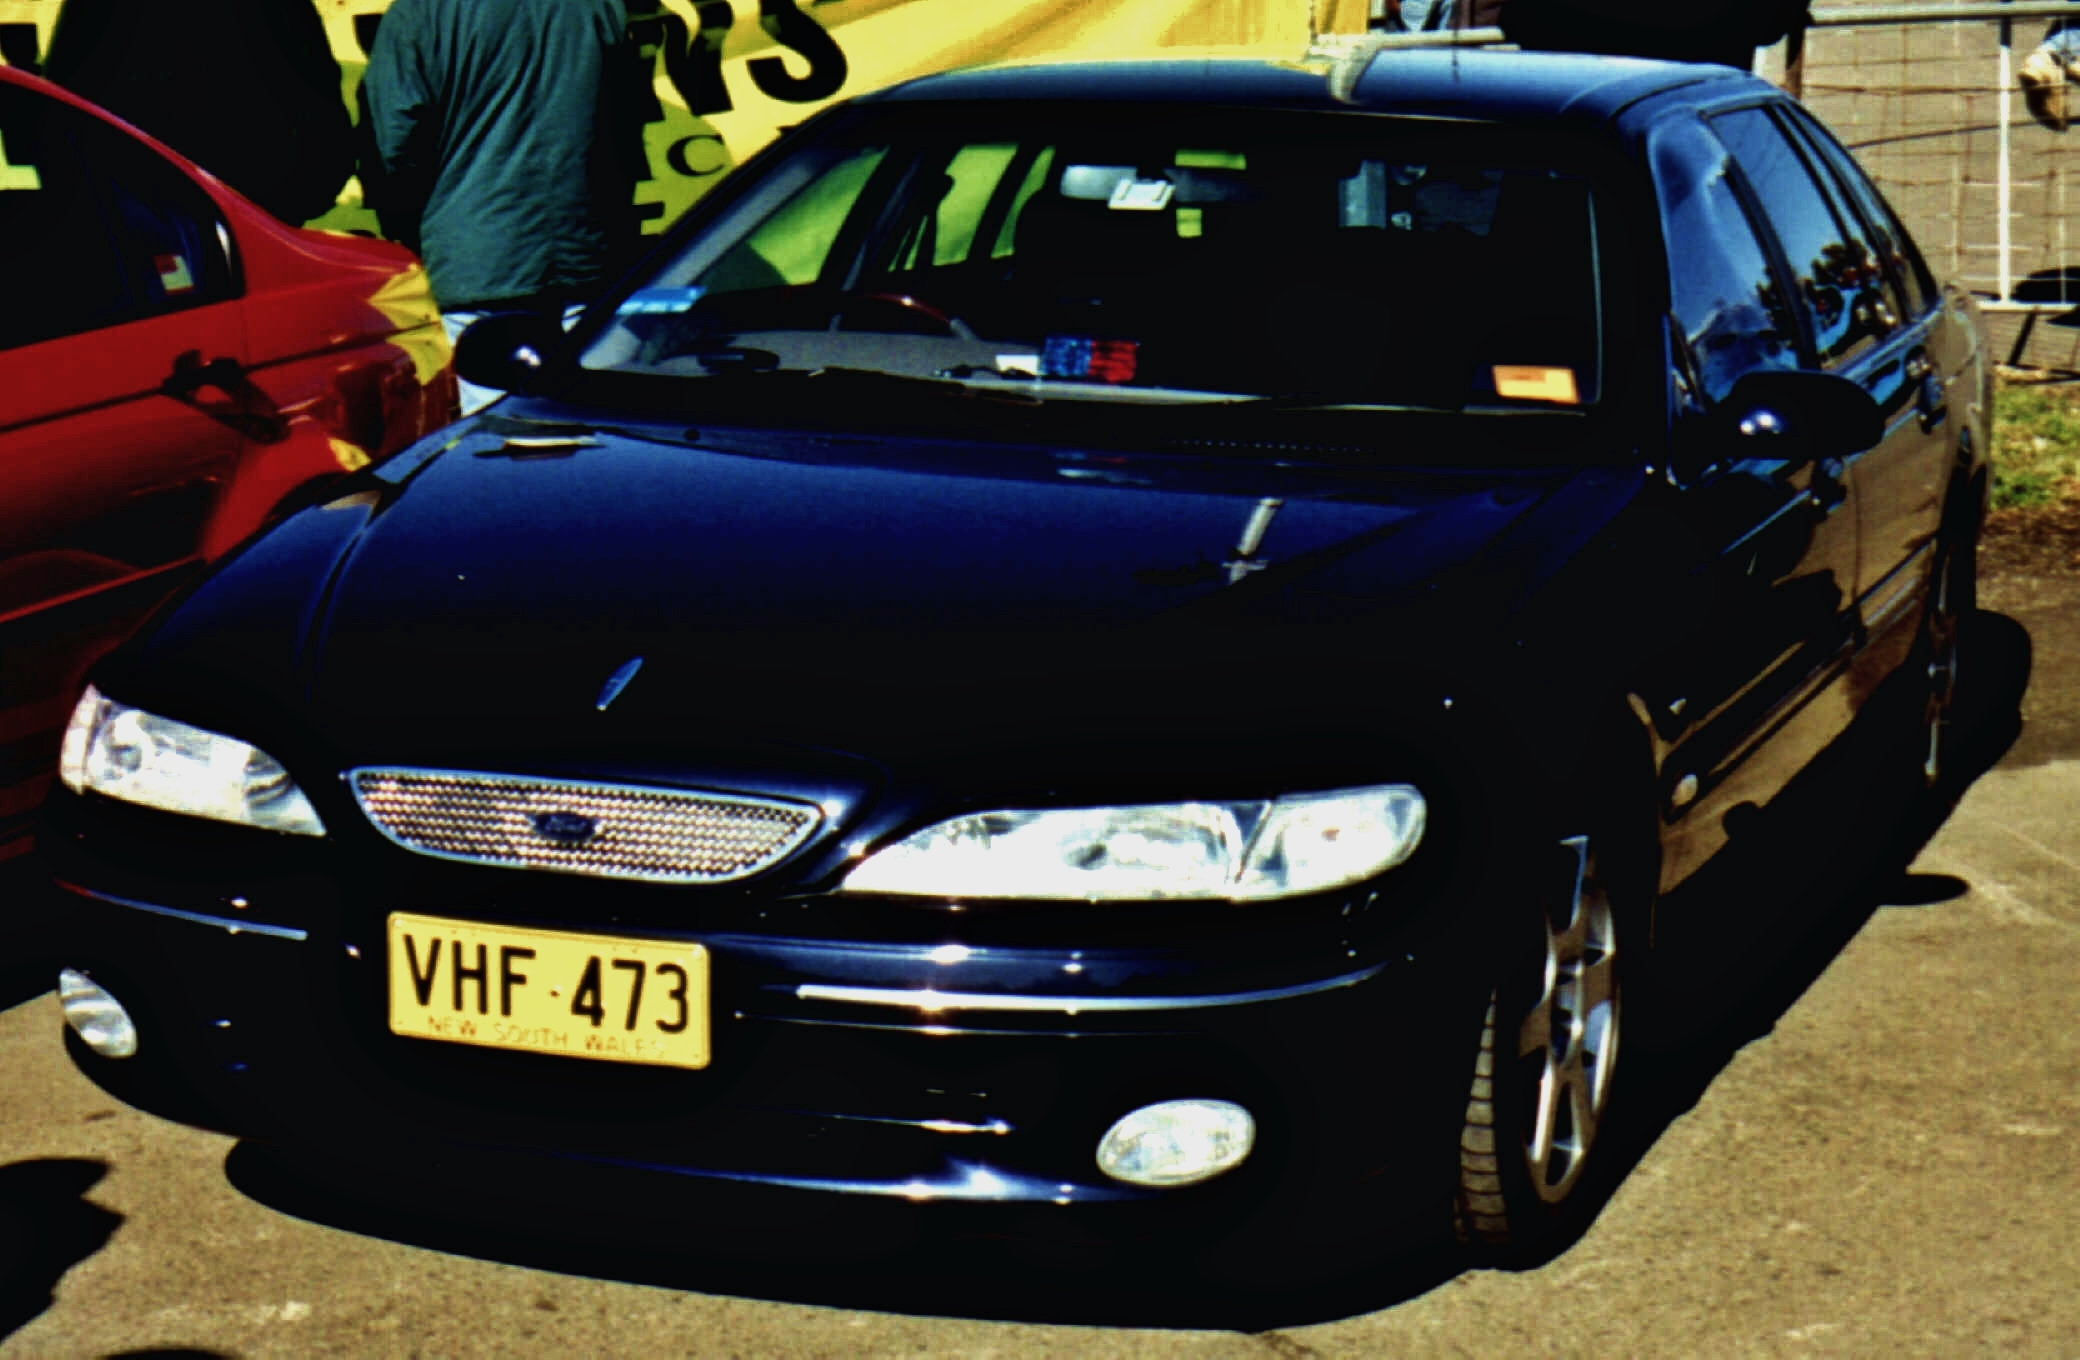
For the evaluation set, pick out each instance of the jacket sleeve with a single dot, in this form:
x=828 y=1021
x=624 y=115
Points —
x=400 y=125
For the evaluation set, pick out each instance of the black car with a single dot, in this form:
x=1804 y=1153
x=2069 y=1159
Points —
x=1138 y=637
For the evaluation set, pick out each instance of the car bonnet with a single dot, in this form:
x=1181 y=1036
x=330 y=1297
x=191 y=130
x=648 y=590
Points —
x=873 y=597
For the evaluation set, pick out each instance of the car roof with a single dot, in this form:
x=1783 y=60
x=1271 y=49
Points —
x=1461 y=82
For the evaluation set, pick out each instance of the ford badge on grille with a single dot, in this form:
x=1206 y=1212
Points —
x=565 y=828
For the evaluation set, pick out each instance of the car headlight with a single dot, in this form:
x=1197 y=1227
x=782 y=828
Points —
x=139 y=757
x=1225 y=851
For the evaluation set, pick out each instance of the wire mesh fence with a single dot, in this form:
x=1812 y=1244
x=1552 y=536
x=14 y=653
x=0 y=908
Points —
x=1927 y=96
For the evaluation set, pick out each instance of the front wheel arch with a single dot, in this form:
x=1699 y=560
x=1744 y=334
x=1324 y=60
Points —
x=1545 y=1068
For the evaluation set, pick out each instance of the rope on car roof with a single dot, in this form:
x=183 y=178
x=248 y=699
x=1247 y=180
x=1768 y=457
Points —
x=1351 y=65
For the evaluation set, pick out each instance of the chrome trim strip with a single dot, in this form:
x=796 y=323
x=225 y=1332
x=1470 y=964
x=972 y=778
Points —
x=1792 y=506
x=1778 y=714
x=974 y=1182
x=1907 y=585
x=996 y=1126
x=931 y=1002
x=224 y=923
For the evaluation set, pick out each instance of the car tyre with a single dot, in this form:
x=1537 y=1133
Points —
x=1953 y=597
x=1539 y=1104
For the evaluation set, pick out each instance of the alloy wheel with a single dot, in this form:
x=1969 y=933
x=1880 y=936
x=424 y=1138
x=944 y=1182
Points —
x=1568 y=1041
x=1944 y=618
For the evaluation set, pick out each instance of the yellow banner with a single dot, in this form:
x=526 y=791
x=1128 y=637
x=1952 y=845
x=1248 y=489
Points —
x=729 y=74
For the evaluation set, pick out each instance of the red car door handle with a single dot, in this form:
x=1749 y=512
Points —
x=242 y=406
x=191 y=374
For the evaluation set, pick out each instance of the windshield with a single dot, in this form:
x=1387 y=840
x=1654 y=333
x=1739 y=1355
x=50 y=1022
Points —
x=1146 y=255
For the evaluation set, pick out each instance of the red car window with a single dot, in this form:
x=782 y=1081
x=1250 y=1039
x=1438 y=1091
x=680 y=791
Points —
x=60 y=258
x=97 y=229
x=174 y=248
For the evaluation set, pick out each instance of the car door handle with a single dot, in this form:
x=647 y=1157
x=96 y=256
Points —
x=244 y=406
x=191 y=374
x=1929 y=392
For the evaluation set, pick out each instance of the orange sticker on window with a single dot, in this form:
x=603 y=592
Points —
x=1519 y=383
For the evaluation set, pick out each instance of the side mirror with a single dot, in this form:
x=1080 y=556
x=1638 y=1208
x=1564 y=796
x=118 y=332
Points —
x=507 y=350
x=1798 y=416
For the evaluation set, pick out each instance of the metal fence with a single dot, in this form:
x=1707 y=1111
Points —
x=1926 y=95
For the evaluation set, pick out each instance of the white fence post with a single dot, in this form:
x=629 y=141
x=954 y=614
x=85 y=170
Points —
x=2004 y=228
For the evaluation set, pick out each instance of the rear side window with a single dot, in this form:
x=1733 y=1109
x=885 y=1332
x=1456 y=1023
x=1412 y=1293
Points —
x=1724 y=295
x=1837 y=281
x=97 y=229
x=61 y=266
x=1909 y=271
x=174 y=247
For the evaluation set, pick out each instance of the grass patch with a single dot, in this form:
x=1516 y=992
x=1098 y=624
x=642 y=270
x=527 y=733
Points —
x=2036 y=444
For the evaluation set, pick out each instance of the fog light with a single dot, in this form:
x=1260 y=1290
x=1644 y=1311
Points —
x=95 y=1016
x=1177 y=1142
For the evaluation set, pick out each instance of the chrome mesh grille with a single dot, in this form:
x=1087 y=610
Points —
x=660 y=835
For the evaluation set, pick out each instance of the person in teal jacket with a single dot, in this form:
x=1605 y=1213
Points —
x=502 y=143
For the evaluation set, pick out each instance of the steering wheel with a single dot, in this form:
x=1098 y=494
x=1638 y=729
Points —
x=953 y=324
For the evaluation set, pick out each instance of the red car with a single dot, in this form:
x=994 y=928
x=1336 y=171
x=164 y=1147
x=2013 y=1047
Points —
x=175 y=365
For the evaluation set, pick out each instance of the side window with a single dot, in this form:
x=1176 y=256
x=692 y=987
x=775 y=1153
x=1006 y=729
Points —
x=1893 y=244
x=62 y=276
x=1722 y=292
x=174 y=246
x=1839 y=282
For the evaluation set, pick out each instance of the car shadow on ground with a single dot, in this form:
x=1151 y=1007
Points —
x=1868 y=796
x=47 y=1226
x=1821 y=860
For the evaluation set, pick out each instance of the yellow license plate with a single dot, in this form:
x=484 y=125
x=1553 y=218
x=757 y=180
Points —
x=549 y=991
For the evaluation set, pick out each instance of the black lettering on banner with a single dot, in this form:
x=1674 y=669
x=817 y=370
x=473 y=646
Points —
x=695 y=64
x=694 y=61
x=635 y=993
x=507 y=978
x=587 y=1002
x=789 y=27
x=481 y=975
x=679 y=155
x=677 y=994
x=423 y=984
x=647 y=34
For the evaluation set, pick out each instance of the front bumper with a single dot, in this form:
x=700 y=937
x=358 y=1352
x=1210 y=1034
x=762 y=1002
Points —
x=883 y=1067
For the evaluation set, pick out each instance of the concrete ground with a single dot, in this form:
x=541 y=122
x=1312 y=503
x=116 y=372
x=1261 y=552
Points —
x=1879 y=1154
